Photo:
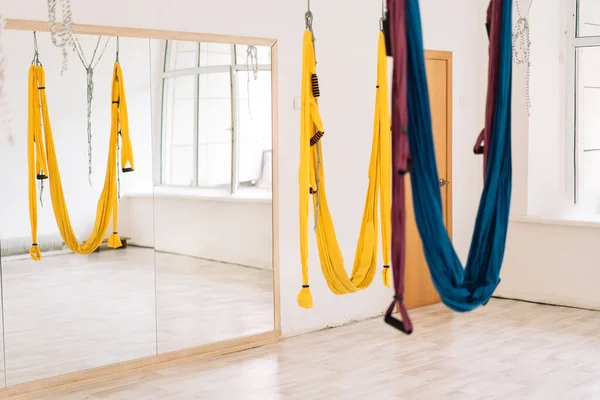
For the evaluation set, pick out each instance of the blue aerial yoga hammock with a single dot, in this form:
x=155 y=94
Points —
x=461 y=289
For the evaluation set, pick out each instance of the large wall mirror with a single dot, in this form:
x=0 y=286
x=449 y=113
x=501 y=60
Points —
x=212 y=198
x=144 y=223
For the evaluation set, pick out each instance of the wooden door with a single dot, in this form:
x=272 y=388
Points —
x=419 y=287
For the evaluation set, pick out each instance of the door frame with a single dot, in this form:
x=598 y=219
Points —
x=447 y=57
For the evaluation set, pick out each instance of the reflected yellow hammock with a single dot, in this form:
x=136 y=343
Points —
x=312 y=182
x=42 y=164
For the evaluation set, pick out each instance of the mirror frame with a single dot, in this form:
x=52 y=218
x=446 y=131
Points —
x=113 y=371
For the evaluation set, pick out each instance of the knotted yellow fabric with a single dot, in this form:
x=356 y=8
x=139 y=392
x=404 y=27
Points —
x=42 y=164
x=312 y=182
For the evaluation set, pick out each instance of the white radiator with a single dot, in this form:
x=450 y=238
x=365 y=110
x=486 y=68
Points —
x=20 y=245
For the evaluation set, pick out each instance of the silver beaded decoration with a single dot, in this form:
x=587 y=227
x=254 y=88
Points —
x=64 y=38
x=89 y=69
x=521 y=48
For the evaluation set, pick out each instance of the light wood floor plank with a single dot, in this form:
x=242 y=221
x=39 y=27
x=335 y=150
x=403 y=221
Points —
x=506 y=350
x=70 y=312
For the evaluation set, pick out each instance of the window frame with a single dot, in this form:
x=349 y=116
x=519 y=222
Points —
x=572 y=147
x=234 y=68
x=575 y=137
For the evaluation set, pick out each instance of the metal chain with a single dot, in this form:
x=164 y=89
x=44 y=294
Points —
x=308 y=20
x=5 y=116
x=318 y=181
x=90 y=98
x=64 y=38
x=521 y=48
x=89 y=68
x=251 y=65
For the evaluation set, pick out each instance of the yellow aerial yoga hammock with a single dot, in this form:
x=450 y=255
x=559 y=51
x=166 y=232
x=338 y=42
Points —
x=312 y=182
x=42 y=164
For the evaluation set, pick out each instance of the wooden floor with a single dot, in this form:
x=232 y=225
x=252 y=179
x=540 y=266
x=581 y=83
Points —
x=200 y=302
x=506 y=350
x=70 y=312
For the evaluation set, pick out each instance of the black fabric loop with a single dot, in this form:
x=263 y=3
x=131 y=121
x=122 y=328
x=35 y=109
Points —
x=386 y=34
x=312 y=191
x=41 y=87
x=315 y=85
x=305 y=286
x=316 y=138
x=34 y=244
x=396 y=323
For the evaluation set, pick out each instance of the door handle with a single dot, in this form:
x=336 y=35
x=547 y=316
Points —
x=443 y=182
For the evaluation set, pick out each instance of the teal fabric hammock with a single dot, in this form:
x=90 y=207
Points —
x=461 y=289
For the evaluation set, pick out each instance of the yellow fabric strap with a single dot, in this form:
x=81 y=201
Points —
x=126 y=150
x=312 y=166
x=107 y=206
x=36 y=158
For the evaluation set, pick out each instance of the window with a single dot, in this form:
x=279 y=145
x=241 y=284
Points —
x=584 y=50
x=588 y=18
x=216 y=116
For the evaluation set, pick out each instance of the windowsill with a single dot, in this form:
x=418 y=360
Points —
x=588 y=222
x=244 y=195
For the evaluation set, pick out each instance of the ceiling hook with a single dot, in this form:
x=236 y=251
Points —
x=308 y=16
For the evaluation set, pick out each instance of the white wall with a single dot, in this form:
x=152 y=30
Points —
x=347 y=111
x=546 y=134
x=548 y=257
x=346 y=108
x=237 y=231
x=346 y=33
x=552 y=262
x=67 y=107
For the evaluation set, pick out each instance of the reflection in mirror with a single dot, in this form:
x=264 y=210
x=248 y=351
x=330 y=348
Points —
x=212 y=197
x=68 y=312
x=587 y=18
x=2 y=364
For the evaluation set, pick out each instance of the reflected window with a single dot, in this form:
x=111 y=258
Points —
x=588 y=18
x=216 y=117
x=583 y=85
x=588 y=124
